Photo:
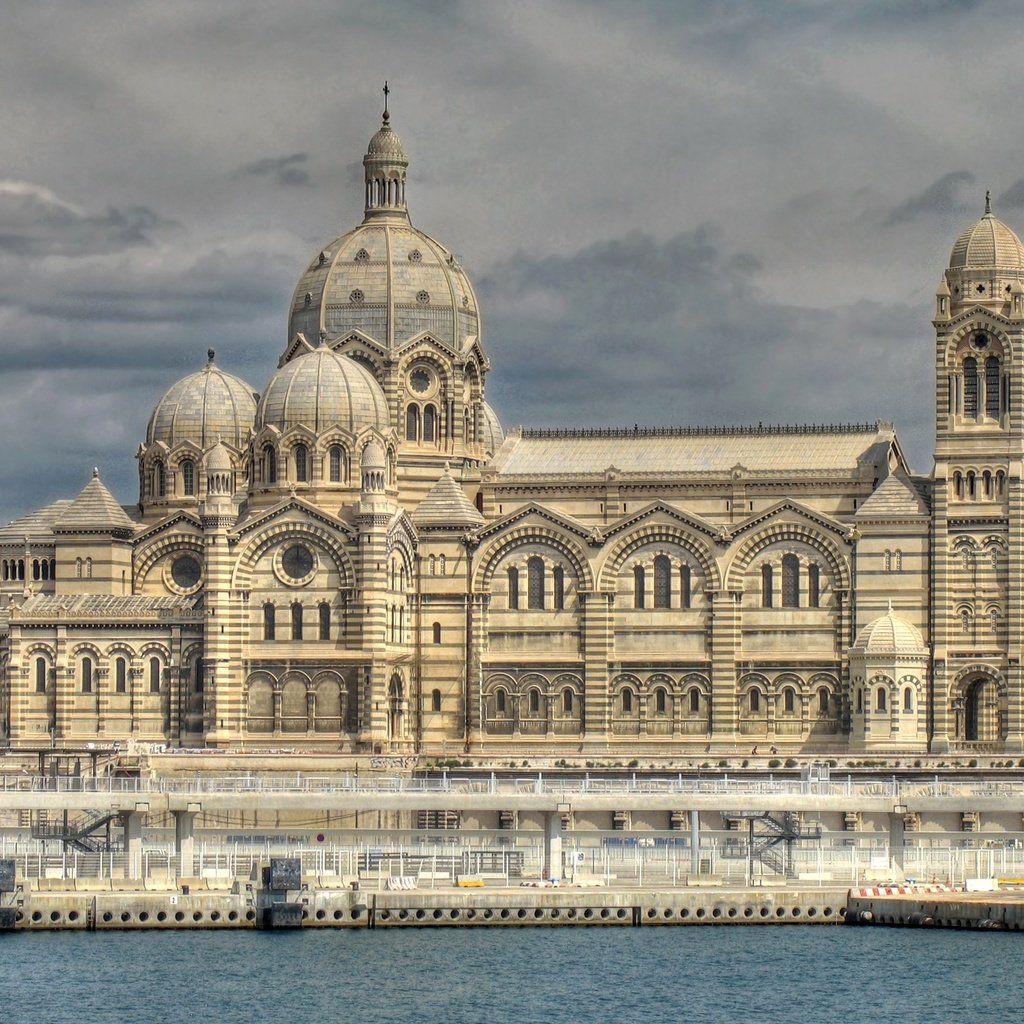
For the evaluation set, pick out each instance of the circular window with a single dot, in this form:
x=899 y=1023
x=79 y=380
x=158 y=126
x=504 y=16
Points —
x=980 y=341
x=423 y=298
x=186 y=571
x=356 y=295
x=362 y=256
x=421 y=380
x=415 y=256
x=298 y=563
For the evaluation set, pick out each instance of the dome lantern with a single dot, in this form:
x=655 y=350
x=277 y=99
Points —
x=384 y=168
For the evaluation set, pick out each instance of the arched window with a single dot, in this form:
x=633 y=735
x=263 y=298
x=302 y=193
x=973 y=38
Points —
x=788 y=700
x=121 y=675
x=534 y=702
x=88 y=569
x=813 y=585
x=433 y=565
x=535 y=582
x=500 y=702
x=301 y=455
x=40 y=675
x=754 y=701
x=639 y=586
x=790 y=581
x=161 y=479
x=188 y=478
x=85 y=675
x=334 y=458
x=880 y=701
x=154 y=675
x=324 y=620
x=78 y=568
x=35 y=569
x=627 y=702
x=46 y=569
x=269 y=622
x=660 y=701
x=662 y=582
x=435 y=701
x=971 y=387
x=567 y=702
x=197 y=677
x=992 y=386
x=694 y=700
x=513 y=588
x=437 y=632
x=823 y=701
x=908 y=699
x=442 y=563
x=766 y=586
x=558 y=579
x=296 y=621
x=429 y=424
x=269 y=465
x=685 y=595
x=412 y=423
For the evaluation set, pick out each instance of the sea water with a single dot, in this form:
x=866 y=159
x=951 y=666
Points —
x=735 y=974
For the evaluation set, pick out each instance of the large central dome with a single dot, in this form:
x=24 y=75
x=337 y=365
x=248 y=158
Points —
x=385 y=279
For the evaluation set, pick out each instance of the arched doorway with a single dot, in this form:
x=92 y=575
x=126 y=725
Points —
x=396 y=709
x=982 y=711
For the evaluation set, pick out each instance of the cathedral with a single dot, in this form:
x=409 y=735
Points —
x=360 y=559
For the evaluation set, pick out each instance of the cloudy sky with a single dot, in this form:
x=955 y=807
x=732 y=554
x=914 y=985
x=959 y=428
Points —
x=674 y=211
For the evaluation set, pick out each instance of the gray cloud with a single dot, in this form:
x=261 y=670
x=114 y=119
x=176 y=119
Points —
x=1013 y=197
x=284 y=170
x=941 y=196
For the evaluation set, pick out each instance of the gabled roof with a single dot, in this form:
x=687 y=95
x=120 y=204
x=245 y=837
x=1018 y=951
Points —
x=894 y=497
x=787 y=505
x=132 y=606
x=34 y=524
x=95 y=509
x=660 y=508
x=694 y=450
x=289 y=504
x=559 y=519
x=447 y=507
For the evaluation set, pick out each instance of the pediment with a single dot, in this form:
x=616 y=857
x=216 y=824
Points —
x=179 y=521
x=537 y=512
x=288 y=507
x=661 y=511
x=787 y=510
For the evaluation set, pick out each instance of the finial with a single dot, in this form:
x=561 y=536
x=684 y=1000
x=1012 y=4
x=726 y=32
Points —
x=387 y=92
x=988 y=201
x=890 y=606
x=209 y=357
x=95 y=472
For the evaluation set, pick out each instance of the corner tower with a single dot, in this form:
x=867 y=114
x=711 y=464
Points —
x=978 y=508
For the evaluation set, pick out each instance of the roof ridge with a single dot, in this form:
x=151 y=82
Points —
x=708 y=431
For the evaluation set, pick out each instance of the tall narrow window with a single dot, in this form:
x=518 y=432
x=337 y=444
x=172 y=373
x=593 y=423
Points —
x=558 y=580
x=269 y=465
x=639 y=586
x=154 y=675
x=500 y=702
x=813 y=585
x=40 y=675
x=880 y=701
x=908 y=699
x=788 y=700
x=823 y=701
x=513 y=588
x=435 y=701
x=766 y=586
x=324 y=619
x=567 y=702
x=334 y=459
x=436 y=629
x=660 y=701
x=535 y=702
x=662 y=582
x=86 y=675
x=790 y=581
x=535 y=582
x=971 y=387
x=412 y=423
x=754 y=701
x=301 y=463
x=429 y=425
x=296 y=621
x=161 y=479
x=188 y=478
x=685 y=595
x=694 y=700
x=121 y=675
x=269 y=622
x=992 y=387
x=627 y=702
x=197 y=679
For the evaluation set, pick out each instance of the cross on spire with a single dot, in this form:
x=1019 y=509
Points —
x=387 y=92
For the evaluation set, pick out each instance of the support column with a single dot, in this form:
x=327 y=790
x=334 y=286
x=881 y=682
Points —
x=598 y=650
x=553 y=844
x=184 y=838
x=131 y=822
x=896 y=827
x=695 y=842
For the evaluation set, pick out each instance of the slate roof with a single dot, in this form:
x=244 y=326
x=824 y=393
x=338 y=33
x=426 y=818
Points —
x=103 y=605
x=34 y=524
x=94 y=508
x=893 y=497
x=446 y=505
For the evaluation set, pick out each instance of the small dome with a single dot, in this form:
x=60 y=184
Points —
x=386 y=145
x=320 y=389
x=493 y=434
x=373 y=456
x=889 y=634
x=987 y=244
x=204 y=407
x=218 y=460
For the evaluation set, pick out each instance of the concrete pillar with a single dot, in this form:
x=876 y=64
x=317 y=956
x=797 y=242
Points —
x=896 y=826
x=184 y=840
x=131 y=821
x=695 y=842
x=553 y=845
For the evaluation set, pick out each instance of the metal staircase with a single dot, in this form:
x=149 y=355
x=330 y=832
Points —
x=765 y=832
x=88 y=832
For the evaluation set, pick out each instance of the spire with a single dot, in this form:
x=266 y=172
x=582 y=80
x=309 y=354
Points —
x=384 y=168
x=988 y=200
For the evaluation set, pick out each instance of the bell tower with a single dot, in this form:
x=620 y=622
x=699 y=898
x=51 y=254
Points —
x=977 y=550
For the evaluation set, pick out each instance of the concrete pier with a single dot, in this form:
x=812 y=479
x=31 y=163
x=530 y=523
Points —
x=930 y=907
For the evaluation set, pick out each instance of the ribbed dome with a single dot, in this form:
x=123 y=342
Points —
x=493 y=434
x=318 y=389
x=987 y=244
x=218 y=460
x=204 y=407
x=889 y=634
x=387 y=145
x=373 y=456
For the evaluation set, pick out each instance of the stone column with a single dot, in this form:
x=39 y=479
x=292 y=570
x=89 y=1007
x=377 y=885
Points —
x=131 y=821
x=553 y=845
x=184 y=839
x=724 y=626
x=598 y=650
